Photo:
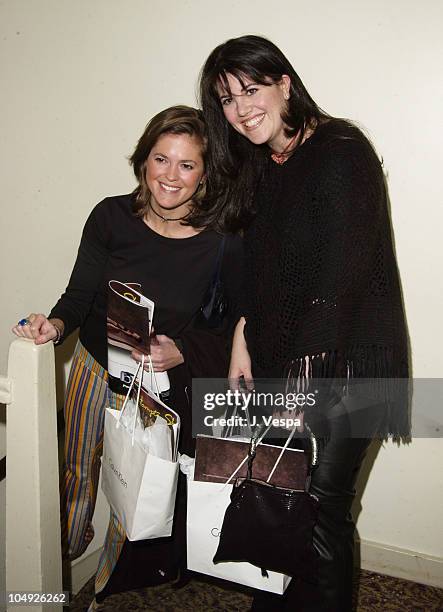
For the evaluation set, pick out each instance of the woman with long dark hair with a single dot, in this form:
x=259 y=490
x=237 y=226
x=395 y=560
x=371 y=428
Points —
x=322 y=293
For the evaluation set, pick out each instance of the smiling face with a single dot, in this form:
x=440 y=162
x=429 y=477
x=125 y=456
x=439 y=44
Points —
x=255 y=110
x=174 y=169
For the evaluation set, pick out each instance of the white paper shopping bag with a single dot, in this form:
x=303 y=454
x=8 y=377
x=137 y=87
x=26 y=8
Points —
x=207 y=502
x=140 y=487
x=139 y=463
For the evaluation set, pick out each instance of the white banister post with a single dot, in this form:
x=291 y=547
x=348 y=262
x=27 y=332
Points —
x=33 y=549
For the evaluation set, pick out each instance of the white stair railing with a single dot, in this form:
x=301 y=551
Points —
x=33 y=550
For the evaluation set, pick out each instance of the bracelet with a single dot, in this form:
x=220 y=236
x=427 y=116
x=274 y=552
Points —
x=59 y=335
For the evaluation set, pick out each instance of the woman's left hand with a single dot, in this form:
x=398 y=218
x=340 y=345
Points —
x=164 y=353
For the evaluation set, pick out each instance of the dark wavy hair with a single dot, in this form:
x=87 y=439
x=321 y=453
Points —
x=174 y=120
x=236 y=163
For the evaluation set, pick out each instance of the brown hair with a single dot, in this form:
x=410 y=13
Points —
x=173 y=120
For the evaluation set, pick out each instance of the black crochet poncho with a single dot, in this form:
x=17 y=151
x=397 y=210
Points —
x=322 y=285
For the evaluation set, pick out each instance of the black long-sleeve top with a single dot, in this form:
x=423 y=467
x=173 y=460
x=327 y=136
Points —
x=174 y=273
x=322 y=289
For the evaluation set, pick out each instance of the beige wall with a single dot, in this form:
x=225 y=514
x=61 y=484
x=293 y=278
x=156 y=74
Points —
x=79 y=81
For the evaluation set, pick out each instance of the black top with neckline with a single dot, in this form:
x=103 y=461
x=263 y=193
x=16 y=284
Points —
x=322 y=291
x=174 y=272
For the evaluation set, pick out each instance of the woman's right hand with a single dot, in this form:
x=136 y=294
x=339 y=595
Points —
x=40 y=329
x=240 y=360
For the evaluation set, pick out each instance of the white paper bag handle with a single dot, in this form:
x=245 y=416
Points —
x=230 y=429
x=137 y=404
x=128 y=395
x=314 y=455
x=291 y=435
x=153 y=377
x=259 y=441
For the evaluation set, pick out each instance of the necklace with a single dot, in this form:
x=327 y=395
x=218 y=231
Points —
x=280 y=158
x=164 y=219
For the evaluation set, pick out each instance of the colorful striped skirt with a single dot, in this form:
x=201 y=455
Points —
x=87 y=396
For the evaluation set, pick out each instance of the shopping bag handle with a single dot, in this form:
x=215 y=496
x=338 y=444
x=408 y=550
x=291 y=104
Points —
x=255 y=441
x=241 y=464
x=291 y=435
x=128 y=395
x=230 y=429
x=153 y=377
x=253 y=450
x=314 y=455
x=134 y=378
x=314 y=446
x=137 y=404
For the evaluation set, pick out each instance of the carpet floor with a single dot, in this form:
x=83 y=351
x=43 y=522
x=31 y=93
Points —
x=374 y=593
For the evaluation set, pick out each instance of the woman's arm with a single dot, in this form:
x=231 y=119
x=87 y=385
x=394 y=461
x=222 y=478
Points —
x=74 y=305
x=240 y=364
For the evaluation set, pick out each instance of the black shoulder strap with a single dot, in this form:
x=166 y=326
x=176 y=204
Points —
x=219 y=261
x=212 y=300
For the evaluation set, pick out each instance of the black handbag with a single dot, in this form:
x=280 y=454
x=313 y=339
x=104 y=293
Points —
x=214 y=307
x=271 y=526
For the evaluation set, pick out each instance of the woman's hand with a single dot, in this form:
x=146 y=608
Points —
x=40 y=329
x=240 y=360
x=164 y=353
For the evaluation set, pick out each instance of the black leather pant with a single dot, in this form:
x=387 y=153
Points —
x=333 y=482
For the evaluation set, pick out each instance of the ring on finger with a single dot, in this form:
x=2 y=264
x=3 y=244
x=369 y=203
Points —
x=23 y=322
